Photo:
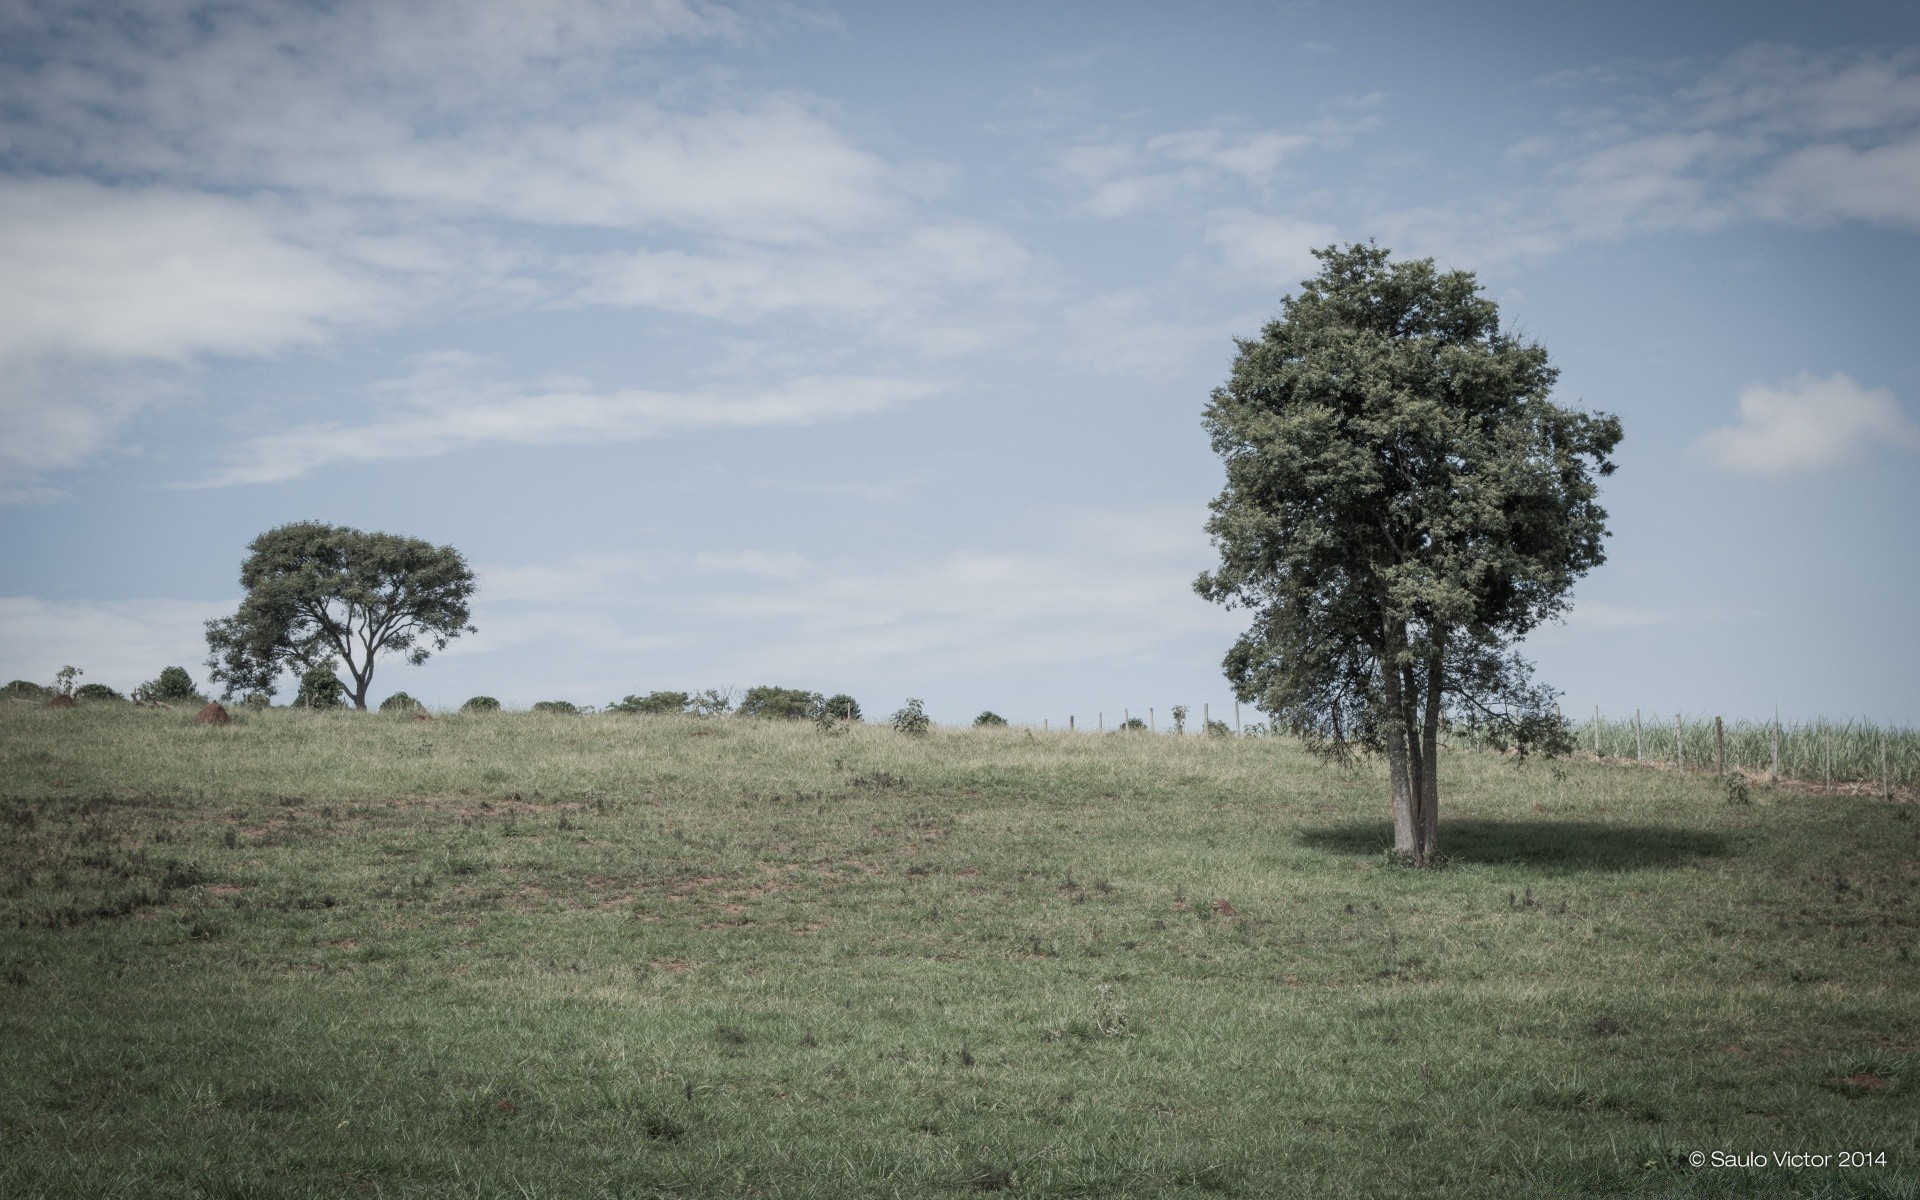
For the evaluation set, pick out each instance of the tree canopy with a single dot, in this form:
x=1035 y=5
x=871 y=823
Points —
x=1403 y=502
x=318 y=595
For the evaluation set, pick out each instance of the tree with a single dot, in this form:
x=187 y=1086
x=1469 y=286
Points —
x=653 y=703
x=172 y=685
x=841 y=707
x=1403 y=502
x=318 y=593
x=781 y=704
x=319 y=688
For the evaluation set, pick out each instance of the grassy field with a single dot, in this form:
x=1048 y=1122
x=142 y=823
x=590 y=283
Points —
x=532 y=956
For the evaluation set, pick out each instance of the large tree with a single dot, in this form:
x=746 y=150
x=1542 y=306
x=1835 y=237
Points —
x=322 y=594
x=1403 y=502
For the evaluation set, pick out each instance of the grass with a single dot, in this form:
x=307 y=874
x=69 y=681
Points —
x=1828 y=753
x=525 y=955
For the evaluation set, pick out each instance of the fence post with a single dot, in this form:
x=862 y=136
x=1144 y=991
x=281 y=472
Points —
x=1153 y=726
x=1773 y=772
x=1637 y=756
x=1103 y=722
x=1236 y=717
x=1679 y=743
x=1069 y=722
x=1043 y=725
x=1596 y=733
x=1206 y=718
x=1719 y=748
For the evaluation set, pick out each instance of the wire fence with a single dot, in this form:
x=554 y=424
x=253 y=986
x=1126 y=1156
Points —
x=1175 y=719
x=1828 y=753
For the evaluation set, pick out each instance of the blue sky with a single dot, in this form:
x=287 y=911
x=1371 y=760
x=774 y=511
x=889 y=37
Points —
x=862 y=347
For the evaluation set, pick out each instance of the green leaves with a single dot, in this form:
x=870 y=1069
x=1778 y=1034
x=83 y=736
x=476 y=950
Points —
x=322 y=593
x=1398 y=481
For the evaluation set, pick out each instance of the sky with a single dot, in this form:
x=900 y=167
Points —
x=862 y=347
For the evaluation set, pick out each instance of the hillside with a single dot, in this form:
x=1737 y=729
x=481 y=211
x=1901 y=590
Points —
x=529 y=955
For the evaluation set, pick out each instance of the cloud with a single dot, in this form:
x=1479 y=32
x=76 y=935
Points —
x=903 y=276
x=1131 y=175
x=159 y=273
x=236 y=180
x=582 y=579
x=1111 y=588
x=1120 y=333
x=1807 y=424
x=771 y=564
x=448 y=404
x=121 y=643
x=1270 y=249
x=1766 y=134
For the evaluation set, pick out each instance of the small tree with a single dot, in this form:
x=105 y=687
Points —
x=172 y=686
x=481 y=704
x=653 y=703
x=989 y=719
x=912 y=719
x=714 y=702
x=63 y=680
x=320 y=688
x=781 y=704
x=97 y=693
x=1403 y=502
x=400 y=702
x=841 y=707
x=318 y=593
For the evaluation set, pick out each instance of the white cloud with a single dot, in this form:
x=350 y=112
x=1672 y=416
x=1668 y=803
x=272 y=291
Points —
x=1768 y=133
x=1807 y=424
x=448 y=404
x=768 y=563
x=244 y=179
x=1824 y=183
x=1131 y=175
x=1114 y=588
x=159 y=273
x=1270 y=249
x=1121 y=333
x=582 y=579
x=121 y=643
x=913 y=272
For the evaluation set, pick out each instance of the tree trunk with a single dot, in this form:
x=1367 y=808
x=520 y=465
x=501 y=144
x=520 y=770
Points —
x=1429 y=794
x=1400 y=751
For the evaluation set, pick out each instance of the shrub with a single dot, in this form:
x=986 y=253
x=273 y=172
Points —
x=912 y=719
x=988 y=718
x=21 y=689
x=1219 y=729
x=653 y=703
x=563 y=707
x=481 y=704
x=781 y=704
x=1179 y=719
x=712 y=703
x=400 y=702
x=842 y=707
x=171 y=686
x=63 y=680
x=1131 y=724
x=320 y=688
x=257 y=700
x=93 y=692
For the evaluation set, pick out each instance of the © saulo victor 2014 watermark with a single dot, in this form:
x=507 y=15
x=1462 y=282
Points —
x=1786 y=1159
